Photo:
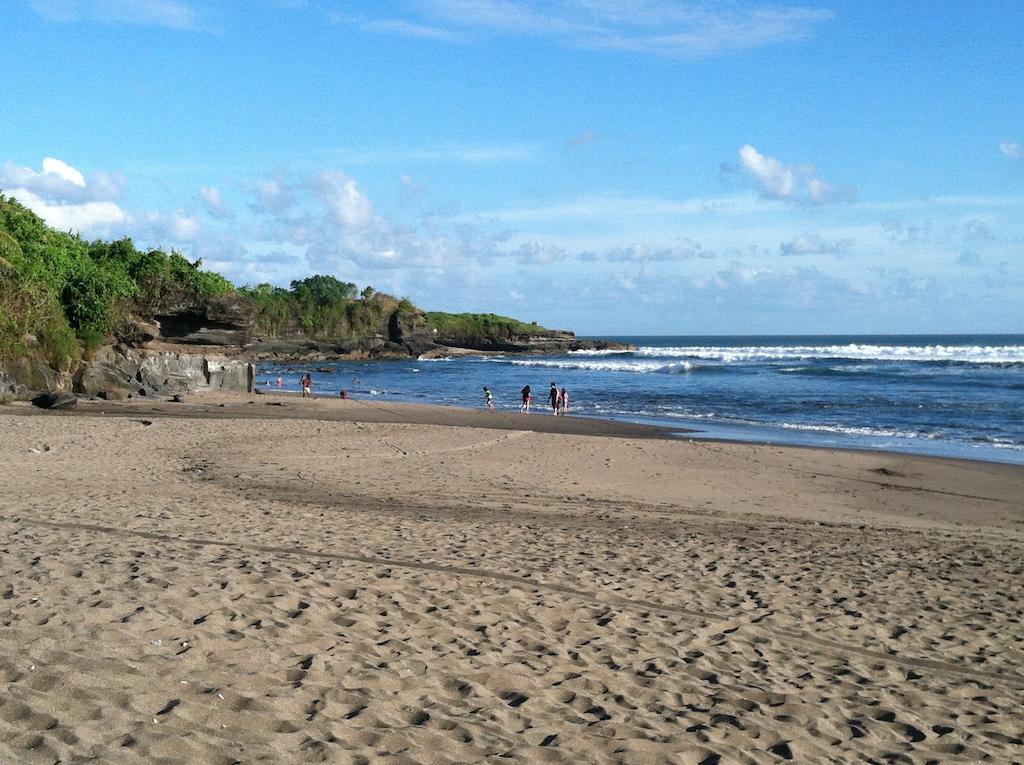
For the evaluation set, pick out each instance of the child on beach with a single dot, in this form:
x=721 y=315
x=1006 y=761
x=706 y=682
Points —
x=307 y=386
x=527 y=399
x=563 y=400
x=488 y=398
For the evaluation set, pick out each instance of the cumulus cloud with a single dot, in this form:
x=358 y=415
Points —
x=159 y=13
x=62 y=196
x=273 y=197
x=540 y=253
x=351 y=210
x=172 y=228
x=898 y=232
x=1012 y=149
x=977 y=231
x=84 y=218
x=795 y=183
x=214 y=202
x=687 y=249
x=654 y=27
x=814 y=244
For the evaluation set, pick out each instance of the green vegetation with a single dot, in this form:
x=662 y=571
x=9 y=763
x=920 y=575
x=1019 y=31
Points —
x=480 y=326
x=326 y=308
x=61 y=295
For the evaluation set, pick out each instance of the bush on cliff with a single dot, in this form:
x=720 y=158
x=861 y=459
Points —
x=323 y=307
x=481 y=326
x=60 y=294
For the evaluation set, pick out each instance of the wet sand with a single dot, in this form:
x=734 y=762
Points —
x=335 y=581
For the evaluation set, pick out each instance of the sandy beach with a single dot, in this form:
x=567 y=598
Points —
x=267 y=579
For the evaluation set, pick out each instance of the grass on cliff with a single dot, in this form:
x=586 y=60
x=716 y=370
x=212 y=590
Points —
x=481 y=326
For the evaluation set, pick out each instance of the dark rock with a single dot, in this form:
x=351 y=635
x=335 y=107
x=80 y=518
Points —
x=56 y=400
x=111 y=373
x=138 y=331
x=227 y=320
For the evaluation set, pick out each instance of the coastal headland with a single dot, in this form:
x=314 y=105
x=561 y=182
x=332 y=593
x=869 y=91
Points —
x=262 y=578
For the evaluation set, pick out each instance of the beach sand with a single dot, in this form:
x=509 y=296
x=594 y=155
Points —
x=266 y=579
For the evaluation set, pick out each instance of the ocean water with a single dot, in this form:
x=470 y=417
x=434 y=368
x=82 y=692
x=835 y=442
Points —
x=947 y=395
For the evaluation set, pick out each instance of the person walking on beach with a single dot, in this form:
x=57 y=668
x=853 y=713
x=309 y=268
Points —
x=563 y=399
x=527 y=399
x=553 y=396
x=488 y=398
x=307 y=386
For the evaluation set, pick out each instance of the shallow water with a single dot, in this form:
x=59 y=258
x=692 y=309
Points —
x=951 y=395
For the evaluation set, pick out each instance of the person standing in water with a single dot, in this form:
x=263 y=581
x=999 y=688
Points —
x=527 y=398
x=553 y=397
x=563 y=399
x=488 y=398
x=307 y=386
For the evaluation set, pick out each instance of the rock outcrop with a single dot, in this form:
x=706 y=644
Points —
x=553 y=342
x=225 y=321
x=121 y=371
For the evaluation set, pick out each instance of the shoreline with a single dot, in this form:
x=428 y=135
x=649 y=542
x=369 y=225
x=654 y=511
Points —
x=281 y=404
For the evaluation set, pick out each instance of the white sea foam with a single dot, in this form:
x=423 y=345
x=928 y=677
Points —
x=973 y=354
x=671 y=367
x=860 y=431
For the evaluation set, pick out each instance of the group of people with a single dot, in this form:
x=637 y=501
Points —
x=559 y=399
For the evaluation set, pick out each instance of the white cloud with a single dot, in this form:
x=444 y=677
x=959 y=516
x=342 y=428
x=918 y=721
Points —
x=172 y=228
x=813 y=244
x=351 y=209
x=84 y=218
x=777 y=180
x=214 y=202
x=687 y=250
x=273 y=197
x=64 y=170
x=797 y=183
x=540 y=253
x=655 y=27
x=1012 y=149
x=62 y=196
x=159 y=13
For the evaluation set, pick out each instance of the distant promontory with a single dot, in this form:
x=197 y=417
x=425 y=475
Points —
x=108 y=319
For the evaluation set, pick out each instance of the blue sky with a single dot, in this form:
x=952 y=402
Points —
x=607 y=166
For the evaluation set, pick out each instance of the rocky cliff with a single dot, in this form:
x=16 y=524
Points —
x=187 y=344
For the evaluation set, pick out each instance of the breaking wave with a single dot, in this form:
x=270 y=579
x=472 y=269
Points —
x=966 y=354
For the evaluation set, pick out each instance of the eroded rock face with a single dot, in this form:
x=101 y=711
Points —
x=24 y=377
x=228 y=320
x=119 y=371
x=8 y=388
